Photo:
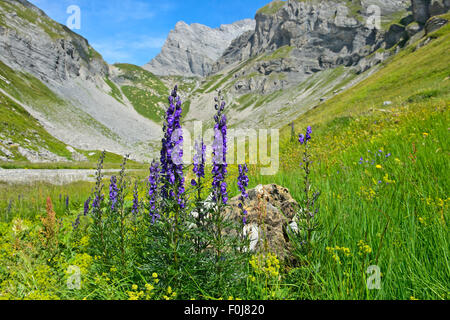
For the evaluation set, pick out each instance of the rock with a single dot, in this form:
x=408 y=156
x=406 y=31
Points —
x=434 y=24
x=395 y=33
x=412 y=28
x=425 y=9
x=70 y=149
x=6 y=152
x=191 y=50
x=42 y=155
x=271 y=209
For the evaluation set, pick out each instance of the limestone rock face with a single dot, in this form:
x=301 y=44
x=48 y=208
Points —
x=190 y=50
x=425 y=9
x=270 y=209
x=45 y=48
x=316 y=36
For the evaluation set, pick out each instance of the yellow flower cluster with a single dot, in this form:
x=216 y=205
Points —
x=364 y=248
x=170 y=294
x=268 y=265
x=82 y=243
x=150 y=291
x=387 y=180
x=367 y=193
x=334 y=251
x=137 y=294
x=437 y=202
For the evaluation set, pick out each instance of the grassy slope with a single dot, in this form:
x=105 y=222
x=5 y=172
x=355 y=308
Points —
x=19 y=126
x=23 y=129
x=146 y=93
x=400 y=208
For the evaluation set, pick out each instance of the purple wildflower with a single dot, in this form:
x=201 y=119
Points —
x=219 y=147
x=308 y=133
x=172 y=152
x=76 y=223
x=113 y=192
x=304 y=138
x=242 y=181
x=301 y=139
x=199 y=159
x=135 y=209
x=97 y=202
x=86 y=206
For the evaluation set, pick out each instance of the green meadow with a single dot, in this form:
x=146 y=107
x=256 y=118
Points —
x=383 y=176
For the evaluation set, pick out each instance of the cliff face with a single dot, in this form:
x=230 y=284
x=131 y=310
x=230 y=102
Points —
x=302 y=53
x=81 y=107
x=321 y=35
x=190 y=50
x=32 y=42
x=425 y=9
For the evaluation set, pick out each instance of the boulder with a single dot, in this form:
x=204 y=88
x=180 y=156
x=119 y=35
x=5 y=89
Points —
x=270 y=209
x=434 y=24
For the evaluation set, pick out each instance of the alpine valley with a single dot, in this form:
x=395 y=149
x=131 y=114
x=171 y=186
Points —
x=60 y=101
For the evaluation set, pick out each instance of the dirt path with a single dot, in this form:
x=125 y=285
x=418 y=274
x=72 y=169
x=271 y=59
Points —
x=53 y=176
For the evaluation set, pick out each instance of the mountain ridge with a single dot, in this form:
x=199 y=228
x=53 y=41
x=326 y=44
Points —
x=190 y=50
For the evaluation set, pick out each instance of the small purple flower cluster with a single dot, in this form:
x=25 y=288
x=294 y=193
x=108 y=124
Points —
x=153 y=180
x=242 y=182
x=376 y=155
x=97 y=201
x=199 y=162
x=219 y=170
x=303 y=139
x=113 y=192
x=86 y=206
x=172 y=152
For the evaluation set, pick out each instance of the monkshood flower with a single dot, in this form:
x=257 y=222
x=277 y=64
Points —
x=113 y=192
x=172 y=152
x=199 y=161
x=76 y=223
x=153 y=180
x=303 y=139
x=135 y=209
x=86 y=206
x=242 y=181
x=97 y=201
x=219 y=147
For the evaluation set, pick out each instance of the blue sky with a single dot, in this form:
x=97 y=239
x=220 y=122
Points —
x=133 y=31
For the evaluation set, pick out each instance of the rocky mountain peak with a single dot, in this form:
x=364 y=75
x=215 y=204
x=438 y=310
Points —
x=192 y=49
